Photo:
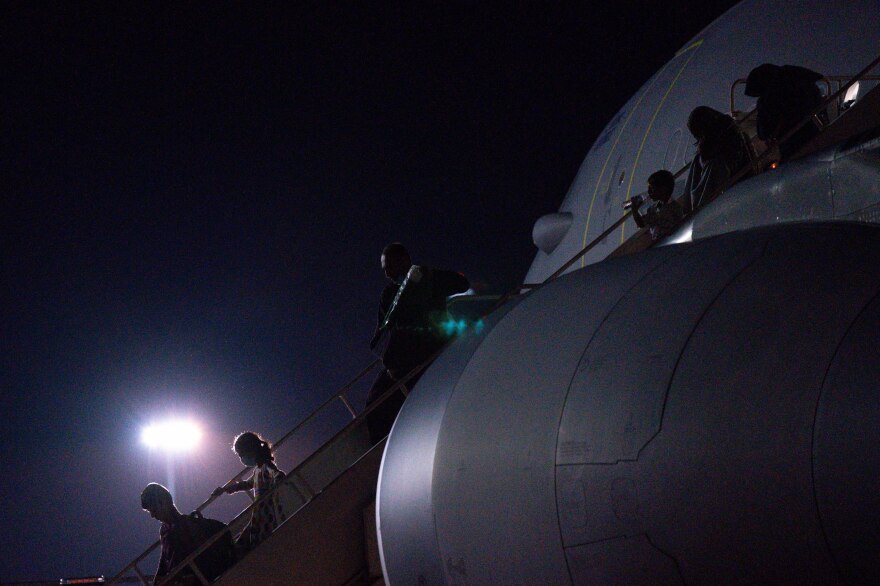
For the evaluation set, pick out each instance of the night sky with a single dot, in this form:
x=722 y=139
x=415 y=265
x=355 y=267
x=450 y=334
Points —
x=195 y=198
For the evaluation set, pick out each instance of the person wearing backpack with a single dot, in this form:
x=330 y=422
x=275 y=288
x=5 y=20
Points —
x=180 y=535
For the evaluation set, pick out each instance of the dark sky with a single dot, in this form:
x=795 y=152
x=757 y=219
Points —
x=195 y=198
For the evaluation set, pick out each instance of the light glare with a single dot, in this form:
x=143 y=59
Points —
x=852 y=93
x=176 y=435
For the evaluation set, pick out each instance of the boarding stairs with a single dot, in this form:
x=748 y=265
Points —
x=840 y=116
x=330 y=535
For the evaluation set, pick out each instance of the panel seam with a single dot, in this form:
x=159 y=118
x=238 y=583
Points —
x=831 y=363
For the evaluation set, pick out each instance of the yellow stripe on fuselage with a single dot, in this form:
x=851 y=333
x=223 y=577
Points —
x=611 y=152
x=651 y=124
x=693 y=45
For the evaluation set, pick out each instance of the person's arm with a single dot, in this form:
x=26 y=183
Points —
x=637 y=215
x=270 y=476
x=234 y=487
x=279 y=473
x=161 y=570
x=384 y=305
x=377 y=332
x=773 y=112
x=718 y=175
x=693 y=174
x=165 y=557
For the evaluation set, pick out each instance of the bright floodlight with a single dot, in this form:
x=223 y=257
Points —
x=176 y=435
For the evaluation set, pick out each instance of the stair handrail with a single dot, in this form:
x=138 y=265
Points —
x=339 y=395
x=763 y=157
x=400 y=385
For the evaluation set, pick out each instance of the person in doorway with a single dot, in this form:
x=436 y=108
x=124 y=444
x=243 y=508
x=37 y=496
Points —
x=722 y=152
x=786 y=96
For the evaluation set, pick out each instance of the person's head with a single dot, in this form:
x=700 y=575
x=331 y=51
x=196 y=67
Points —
x=760 y=78
x=702 y=121
x=252 y=449
x=661 y=184
x=707 y=125
x=157 y=501
x=395 y=261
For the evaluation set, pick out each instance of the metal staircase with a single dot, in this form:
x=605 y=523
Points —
x=337 y=480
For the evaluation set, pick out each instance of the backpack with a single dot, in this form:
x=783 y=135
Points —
x=220 y=555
